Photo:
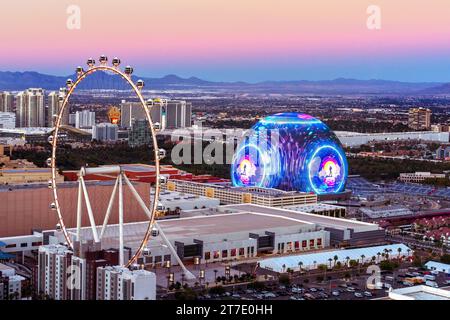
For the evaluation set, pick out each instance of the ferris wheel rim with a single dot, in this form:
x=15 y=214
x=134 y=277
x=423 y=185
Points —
x=56 y=128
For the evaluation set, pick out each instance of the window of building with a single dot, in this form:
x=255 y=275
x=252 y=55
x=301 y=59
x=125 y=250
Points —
x=233 y=252
x=23 y=245
x=319 y=241
x=207 y=255
x=311 y=243
x=241 y=251
x=224 y=253
x=216 y=255
x=289 y=246
x=304 y=244
x=297 y=245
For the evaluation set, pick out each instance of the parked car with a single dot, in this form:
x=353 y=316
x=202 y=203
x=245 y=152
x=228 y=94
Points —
x=358 y=295
x=431 y=284
x=313 y=289
x=309 y=296
x=367 y=294
x=335 y=293
x=270 y=295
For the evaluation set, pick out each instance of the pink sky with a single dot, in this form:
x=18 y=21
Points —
x=210 y=38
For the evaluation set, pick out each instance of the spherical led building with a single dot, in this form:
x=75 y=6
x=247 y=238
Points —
x=290 y=151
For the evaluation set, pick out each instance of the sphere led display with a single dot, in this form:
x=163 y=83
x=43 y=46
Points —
x=290 y=151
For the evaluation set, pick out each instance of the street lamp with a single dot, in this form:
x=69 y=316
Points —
x=227 y=271
x=170 y=279
x=202 y=275
x=196 y=261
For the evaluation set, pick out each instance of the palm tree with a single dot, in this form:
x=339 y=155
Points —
x=362 y=262
x=335 y=258
x=284 y=267
x=399 y=250
x=300 y=264
x=347 y=259
x=329 y=260
x=378 y=255
x=314 y=262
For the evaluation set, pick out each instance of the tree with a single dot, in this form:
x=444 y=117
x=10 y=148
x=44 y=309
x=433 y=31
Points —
x=217 y=290
x=335 y=258
x=445 y=258
x=284 y=279
x=399 y=250
x=347 y=259
x=300 y=264
x=186 y=294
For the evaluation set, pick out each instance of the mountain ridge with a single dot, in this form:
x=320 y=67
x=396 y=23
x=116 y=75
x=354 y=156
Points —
x=16 y=81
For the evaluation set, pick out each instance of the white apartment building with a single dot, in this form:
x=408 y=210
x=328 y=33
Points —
x=10 y=283
x=6 y=102
x=54 y=103
x=119 y=283
x=53 y=264
x=105 y=132
x=30 y=109
x=7 y=120
x=84 y=119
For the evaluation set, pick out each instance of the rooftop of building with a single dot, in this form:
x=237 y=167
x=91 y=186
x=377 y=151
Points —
x=438 y=266
x=199 y=226
x=26 y=170
x=314 y=207
x=421 y=292
x=28 y=130
x=179 y=196
x=4 y=267
x=65 y=184
x=324 y=221
x=252 y=190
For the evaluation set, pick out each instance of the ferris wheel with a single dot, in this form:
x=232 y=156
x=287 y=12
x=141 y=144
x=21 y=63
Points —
x=153 y=229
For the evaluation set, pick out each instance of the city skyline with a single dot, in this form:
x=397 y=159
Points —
x=224 y=41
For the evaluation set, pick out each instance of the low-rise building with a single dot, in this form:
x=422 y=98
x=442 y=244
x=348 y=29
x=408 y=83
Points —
x=419 y=177
x=421 y=292
x=322 y=209
x=175 y=201
x=236 y=195
x=10 y=283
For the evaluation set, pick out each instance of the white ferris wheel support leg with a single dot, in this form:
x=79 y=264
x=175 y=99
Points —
x=79 y=208
x=108 y=211
x=89 y=210
x=187 y=273
x=121 y=260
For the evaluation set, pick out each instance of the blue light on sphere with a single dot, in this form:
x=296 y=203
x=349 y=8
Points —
x=291 y=151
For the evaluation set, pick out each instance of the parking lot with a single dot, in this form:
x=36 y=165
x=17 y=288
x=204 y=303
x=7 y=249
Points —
x=306 y=287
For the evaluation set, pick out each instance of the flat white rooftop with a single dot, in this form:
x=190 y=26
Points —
x=419 y=293
x=199 y=227
x=324 y=221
